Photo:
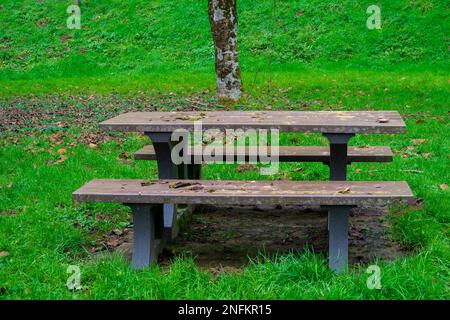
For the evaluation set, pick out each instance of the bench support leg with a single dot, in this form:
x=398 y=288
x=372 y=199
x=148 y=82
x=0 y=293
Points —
x=338 y=237
x=338 y=155
x=166 y=170
x=147 y=229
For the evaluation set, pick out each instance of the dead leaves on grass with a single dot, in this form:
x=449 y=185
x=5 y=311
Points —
x=114 y=243
x=246 y=167
x=418 y=141
x=411 y=151
x=112 y=240
x=8 y=213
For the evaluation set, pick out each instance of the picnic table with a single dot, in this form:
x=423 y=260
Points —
x=338 y=127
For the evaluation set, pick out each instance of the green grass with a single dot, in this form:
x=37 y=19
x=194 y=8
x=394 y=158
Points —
x=142 y=39
x=158 y=55
x=48 y=232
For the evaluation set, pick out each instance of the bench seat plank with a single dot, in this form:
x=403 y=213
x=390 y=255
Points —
x=297 y=154
x=358 y=193
x=344 y=122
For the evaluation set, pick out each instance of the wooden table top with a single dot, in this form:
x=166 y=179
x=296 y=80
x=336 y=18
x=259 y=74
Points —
x=286 y=121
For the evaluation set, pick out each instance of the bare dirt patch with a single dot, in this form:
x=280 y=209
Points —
x=226 y=238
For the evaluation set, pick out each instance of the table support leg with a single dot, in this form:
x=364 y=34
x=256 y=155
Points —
x=338 y=216
x=338 y=237
x=195 y=171
x=167 y=170
x=338 y=155
x=147 y=230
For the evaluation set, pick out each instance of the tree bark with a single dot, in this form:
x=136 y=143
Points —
x=223 y=21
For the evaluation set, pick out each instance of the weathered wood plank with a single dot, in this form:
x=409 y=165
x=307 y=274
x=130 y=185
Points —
x=294 y=154
x=244 y=192
x=291 y=121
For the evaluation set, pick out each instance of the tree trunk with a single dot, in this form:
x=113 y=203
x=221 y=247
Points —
x=77 y=3
x=223 y=21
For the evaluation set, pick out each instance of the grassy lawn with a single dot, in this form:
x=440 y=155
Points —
x=56 y=85
x=45 y=159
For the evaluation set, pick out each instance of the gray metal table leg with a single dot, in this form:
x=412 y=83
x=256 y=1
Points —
x=338 y=237
x=194 y=171
x=338 y=155
x=166 y=170
x=338 y=216
x=147 y=229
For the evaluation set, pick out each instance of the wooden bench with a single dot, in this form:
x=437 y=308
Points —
x=286 y=154
x=146 y=198
x=294 y=154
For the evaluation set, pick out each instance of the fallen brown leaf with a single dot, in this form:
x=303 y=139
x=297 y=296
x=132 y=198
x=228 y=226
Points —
x=382 y=120
x=197 y=187
x=117 y=232
x=418 y=202
x=4 y=254
x=114 y=243
x=181 y=184
x=96 y=249
x=56 y=138
x=8 y=212
x=246 y=167
x=443 y=186
x=344 y=191
x=61 y=159
x=419 y=141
